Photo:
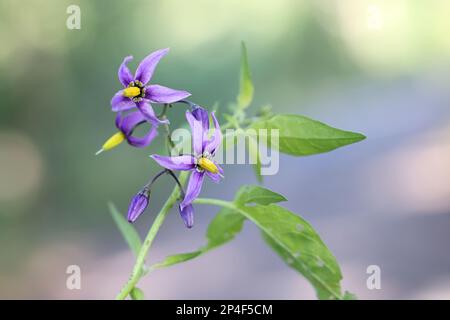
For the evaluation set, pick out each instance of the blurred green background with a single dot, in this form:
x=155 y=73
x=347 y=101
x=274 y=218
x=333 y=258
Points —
x=378 y=67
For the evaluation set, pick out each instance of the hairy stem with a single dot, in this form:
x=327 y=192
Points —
x=137 y=272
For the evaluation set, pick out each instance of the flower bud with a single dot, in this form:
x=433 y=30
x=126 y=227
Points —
x=138 y=205
x=187 y=214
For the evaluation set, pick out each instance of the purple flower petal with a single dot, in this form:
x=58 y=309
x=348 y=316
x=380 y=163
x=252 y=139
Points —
x=219 y=167
x=141 y=142
x=198 y=133
x=121 y=103
x=147 y=66
x=149 y=114
x=127 y=123
x=118 y=120
x=187 y=214
x=125 y=76
x=160 y=94
x=216 y=139
x=186 y=162
x=193 y=189
x=215 y=177
x=201 y=114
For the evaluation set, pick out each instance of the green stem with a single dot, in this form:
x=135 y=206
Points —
x=137 y=272
x=215 y=202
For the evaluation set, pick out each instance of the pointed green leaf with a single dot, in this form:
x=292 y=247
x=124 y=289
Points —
x=246 y=89
x=177 y=258
x=301 y=136
x=222 y=229
x=258 y=195
x=299 y=246
x=129 y=233
x=290 y=236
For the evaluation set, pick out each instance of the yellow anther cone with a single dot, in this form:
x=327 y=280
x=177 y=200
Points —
x=112 y=142
x=131 y=92
x=208 y=165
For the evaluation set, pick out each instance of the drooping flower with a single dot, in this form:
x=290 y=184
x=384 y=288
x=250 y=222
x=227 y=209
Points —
x=201 y=162
x=137 y=93
x=126 y=125
x=138 y=204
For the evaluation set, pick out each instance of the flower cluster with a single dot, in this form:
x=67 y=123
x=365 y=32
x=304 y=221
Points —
x=133 y=105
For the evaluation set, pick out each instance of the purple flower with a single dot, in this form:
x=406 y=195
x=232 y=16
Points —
x=200 y=163
x=126 y=125
x=137 y=93
x=138 y=205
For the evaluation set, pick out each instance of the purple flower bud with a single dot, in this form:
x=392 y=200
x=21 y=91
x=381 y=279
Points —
x=187 y=214
x=138 y=205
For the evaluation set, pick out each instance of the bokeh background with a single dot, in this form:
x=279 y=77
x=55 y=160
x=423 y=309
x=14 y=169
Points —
x=377 y=67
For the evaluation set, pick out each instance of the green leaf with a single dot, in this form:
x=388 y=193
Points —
x=128 y=231
x=246 y=89
x=258 y=195
x=299 y=246
x=292 y=238
x=301 y=136
x=223 y=228
x=177 y=258
x=137 y=294
x=289 y=235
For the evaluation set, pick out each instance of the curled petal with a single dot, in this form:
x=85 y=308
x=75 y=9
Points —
x=187 y=214
x=144 y=71
x=118 y=120
x=121 y=103
x=127 y=123
x=141 y=142
x=160 y=94
x=186 y=162
x=149 y=114
x=216 y=139
x=198 y=133
x=125 y=76
x=193 y=189
x=219 y=167
x=215 y=177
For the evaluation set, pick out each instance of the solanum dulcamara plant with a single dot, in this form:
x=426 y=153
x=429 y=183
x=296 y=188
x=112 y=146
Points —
x=288 y=234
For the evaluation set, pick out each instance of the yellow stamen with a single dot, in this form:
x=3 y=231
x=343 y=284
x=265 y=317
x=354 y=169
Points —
x=208 y=165
x=131 y=92
x=112 y=142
